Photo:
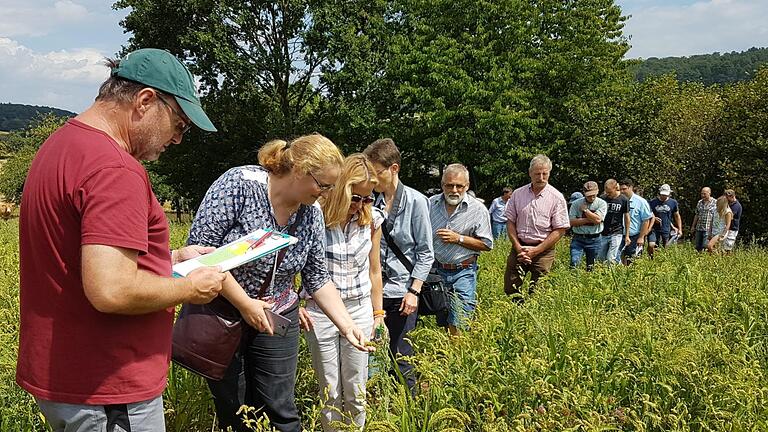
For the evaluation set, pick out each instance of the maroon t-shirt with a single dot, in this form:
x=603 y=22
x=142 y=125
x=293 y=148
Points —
x=83 y=188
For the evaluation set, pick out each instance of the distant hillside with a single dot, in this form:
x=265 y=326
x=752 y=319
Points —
x=707 y=68
x=18 y=116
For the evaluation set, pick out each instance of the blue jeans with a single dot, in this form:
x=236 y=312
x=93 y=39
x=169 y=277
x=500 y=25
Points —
x=262 y=375
x=498 y=229
x=462 y=287
x=580 y=246
x=701 y=240
x=610 y=248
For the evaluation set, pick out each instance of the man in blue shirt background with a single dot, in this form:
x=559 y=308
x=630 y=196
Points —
x=664 y=209
x=640 y=219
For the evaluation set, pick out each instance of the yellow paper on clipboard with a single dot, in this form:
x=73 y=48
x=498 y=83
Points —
x=241 y=251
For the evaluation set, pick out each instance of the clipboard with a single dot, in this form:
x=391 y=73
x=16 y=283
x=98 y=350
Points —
x=252 y=246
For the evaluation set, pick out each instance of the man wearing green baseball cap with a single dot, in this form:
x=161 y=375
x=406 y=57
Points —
x=96 y=294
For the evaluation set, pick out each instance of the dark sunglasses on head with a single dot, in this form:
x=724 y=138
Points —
x=357 y=198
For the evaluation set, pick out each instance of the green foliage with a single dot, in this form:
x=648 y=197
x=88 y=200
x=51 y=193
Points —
x=707 y=68
x=18 y=116
x=22 y=147
x=485 y=83
x=257 y=62
x=673 y=344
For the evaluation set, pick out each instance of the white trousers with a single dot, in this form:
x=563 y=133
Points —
x=341 y=369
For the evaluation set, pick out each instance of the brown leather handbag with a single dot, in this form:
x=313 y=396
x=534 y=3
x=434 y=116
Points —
x=205 y=337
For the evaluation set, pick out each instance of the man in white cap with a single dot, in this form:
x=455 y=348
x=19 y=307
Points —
x=664 y=209
x=586 y=217
x=97 y=299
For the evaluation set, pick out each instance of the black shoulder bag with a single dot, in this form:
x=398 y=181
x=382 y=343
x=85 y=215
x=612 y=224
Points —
x=434 y=296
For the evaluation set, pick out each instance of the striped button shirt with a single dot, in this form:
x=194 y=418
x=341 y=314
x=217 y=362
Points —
x=535 y=216
x=470 y=219
x=347 y=252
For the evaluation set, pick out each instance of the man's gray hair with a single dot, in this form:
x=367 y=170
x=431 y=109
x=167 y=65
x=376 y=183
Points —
x=456 y=168
x=540 y=160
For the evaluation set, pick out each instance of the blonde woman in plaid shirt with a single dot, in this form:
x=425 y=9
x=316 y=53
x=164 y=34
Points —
x=353 y=237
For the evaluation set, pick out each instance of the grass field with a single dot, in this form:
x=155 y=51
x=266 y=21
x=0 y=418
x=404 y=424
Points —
x=674 y=344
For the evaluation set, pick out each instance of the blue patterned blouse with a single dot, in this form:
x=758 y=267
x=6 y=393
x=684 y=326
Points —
x=236 y=204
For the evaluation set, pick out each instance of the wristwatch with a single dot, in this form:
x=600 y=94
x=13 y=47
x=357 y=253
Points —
x=414 y=292
x=461 y=239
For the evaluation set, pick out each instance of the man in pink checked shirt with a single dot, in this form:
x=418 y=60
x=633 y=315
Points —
x=537 y=217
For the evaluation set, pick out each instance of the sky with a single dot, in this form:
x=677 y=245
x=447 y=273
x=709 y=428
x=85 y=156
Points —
x=52 y=52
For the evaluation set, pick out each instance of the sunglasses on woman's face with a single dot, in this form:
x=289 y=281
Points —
x=357 y=198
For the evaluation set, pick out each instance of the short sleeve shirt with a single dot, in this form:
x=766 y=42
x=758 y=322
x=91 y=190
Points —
x=614 y=218
x=736 y=209
x=537 y=215
x=84 y=189
x=664 y=211
x=598 y=206
x=236 y=204
x=639 y=212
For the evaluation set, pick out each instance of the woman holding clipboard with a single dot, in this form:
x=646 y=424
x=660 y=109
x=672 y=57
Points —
x=278 y=194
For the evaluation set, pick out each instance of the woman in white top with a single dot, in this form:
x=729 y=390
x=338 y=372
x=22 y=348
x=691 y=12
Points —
x=353 y=236
x=721 y=223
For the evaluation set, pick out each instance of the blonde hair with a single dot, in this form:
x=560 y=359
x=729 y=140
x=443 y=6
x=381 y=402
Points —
x=722 y=206
x=356 y=169
x=309 y=153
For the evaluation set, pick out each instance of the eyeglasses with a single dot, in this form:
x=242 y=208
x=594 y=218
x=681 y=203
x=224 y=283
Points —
x=366 y=200
x=323 y=187
x=451 y=186
x=186 y=125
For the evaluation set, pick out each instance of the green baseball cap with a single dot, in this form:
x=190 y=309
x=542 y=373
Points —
x=161 y=70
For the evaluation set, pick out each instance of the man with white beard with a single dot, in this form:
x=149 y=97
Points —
x=461 y=229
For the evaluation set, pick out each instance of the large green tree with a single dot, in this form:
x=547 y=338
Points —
x=485 y=83
x=258 y=63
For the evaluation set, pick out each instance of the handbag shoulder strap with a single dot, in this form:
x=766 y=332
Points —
x=389 y=223
x=281 y=254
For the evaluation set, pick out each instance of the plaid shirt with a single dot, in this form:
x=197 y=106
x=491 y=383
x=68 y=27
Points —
x=706 y=212
x=347 y=252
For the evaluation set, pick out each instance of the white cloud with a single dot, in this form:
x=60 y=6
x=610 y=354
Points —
x=65 y=79
x=697 y=28
x=38 y=18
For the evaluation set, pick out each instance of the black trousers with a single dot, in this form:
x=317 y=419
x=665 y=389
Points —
x=262 y=375
x=398 y=327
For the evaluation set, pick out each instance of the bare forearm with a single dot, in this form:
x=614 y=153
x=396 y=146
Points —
x=512 y=234
x=551 y=240
x=475 y=244
x=592 y=218
x=376 y=288
x=232 y=291
x=329 y=301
